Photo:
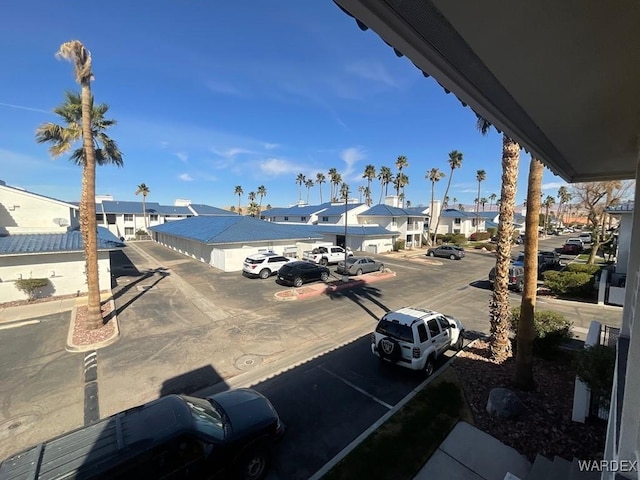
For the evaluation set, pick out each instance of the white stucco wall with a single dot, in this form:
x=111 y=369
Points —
x=65 y=271
x=624 y=242
x=25 y=212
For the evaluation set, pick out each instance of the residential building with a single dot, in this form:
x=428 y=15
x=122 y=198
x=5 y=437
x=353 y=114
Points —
x=581 y=124
x=324 y=214
x=458 y=221
x=409 y=226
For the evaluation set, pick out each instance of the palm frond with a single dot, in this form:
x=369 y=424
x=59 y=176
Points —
x=77 y=157
x=483 y=125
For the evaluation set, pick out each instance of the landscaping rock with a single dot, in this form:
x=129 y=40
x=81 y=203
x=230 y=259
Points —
x=503 y=403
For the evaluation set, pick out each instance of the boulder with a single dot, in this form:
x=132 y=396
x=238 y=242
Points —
x=503 y=403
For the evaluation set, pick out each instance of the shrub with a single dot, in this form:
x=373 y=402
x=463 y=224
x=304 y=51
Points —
x=492 y=231
x=583 y=268
x=573 y=284
x=490 y=246
x=455 y=238
x=479 y=236
x=551 y=329
x=31 y=285
x=399 y=245
x=594 y=366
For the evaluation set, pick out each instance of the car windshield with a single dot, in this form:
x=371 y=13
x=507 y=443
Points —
x=207 y=418
x=395 y=330
x=252 y=260
x=352 y=260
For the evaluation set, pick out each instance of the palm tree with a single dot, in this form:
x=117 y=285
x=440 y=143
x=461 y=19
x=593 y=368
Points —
x=332 y=177
x=367 y=195
x=320 y=179
x=144 y=190
x=499 y=310
x=337 y=180
x=434 y=175
x=308 y=183
x=455 y=200
x=455 y=161
x=386 y=177
x=481 y=176
x=369 y=174
x=523 y=376
x=300 y=179
x=78 y=113
x=251 y=196
x=238 y=191
x=344 y=191
x=548 y=202
x=460 y=207
x=252 y=209
x=401 y=162
x=262 y=192
x=483 y=202
x=563 y=196
x=446 y=202
x=400 y=182
x=360 y=192
x=492 y=199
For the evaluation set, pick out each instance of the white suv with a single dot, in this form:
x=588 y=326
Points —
x=415 y=337
x=263 y=265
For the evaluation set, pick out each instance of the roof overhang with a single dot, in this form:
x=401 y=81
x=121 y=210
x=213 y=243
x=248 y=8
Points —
x=561 y=78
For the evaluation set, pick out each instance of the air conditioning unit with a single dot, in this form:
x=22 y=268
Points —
x=61 y=222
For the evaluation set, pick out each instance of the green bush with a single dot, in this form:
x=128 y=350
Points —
x=399 y=245
x=455 y=238
x=571 y=284
x=492 y=231
x=31 y=285
x=583 y=268
x=594 y=366
x=479 y=236
x=551 y=329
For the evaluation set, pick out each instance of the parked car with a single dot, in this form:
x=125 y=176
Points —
x=263 y=265
x=175 y=436
x=446 y=251
x=324 y=255
x=415 y=337
x=360 y=265
x=515 y=277
x=300 y=272
x=585 y=237
x=571 y=249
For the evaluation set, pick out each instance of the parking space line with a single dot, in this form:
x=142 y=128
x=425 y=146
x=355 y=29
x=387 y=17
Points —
x=355 y=387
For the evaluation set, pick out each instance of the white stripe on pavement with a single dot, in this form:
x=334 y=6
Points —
x=375 y=399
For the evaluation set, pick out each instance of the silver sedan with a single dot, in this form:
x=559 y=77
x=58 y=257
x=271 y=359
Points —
x=360 y=265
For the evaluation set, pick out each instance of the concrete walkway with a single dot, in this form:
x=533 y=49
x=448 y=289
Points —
x=470 y=454
x=34 y=310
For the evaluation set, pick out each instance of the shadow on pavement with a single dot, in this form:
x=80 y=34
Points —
x=359 y=293
x=163 y=273
x=190 y=382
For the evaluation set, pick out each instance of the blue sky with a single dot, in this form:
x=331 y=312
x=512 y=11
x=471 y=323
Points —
x=209 y=95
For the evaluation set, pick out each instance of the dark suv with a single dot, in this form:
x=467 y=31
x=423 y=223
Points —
x=173 y=437
x=516 y=277
x=299 y=272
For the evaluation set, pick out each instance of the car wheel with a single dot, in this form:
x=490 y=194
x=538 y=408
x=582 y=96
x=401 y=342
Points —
x=459 y=345
x=452 y=256
x=264 y=273
x=297 y=282
x=324 y=262
x=324 y=276
x=431 y=254
x=359 y=272
x=254 y=464
x=381 y=269
x=429 y=366
x=389 y=348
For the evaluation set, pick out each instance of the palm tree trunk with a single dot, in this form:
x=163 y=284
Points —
x=478 y=210
x=523 y=377
x=320 y=186
x=144 y=213
x=499 y=312
x=88 y=223
x=446 y=192
x=433 y=187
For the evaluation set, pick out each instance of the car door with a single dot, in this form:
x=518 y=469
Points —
x=370 y=265
x=276 y=262
x=445 y=328
x=439 y=339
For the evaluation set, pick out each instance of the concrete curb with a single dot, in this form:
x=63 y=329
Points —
x=323 y=289
x=73 y=348
x=378 y=423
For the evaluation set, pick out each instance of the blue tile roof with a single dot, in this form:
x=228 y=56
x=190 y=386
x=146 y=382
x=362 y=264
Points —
x=304 y=210
x=109 y=206
x=382 y=210
x=55 y=242
x=417 y=211
x=232 y=229
x=170 y=210
x=339 y=209
x=356 y=230
x=202 y=209
x=454 y=213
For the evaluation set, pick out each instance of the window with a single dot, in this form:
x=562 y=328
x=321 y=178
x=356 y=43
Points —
x=325 y=219
x=394 y=222
x=286 y=219
x=276 y=259
x=456 y=230
x=395 y=330
x=153 y=218
x=434 y=330
x=473 y=222
x=457 y=221
x=128 y=217
x=128 y=230
x=444 y=324
x=303 y=219
x=422 y=333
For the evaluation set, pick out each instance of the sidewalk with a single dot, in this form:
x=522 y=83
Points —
x=34 y=310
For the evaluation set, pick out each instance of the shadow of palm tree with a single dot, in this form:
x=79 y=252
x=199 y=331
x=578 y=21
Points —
x=358 y=292
x=162 y=273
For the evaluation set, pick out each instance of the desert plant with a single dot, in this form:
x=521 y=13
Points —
x=572 y=284
x=399 y=245
x=479 y=236
x=551 y=330
x=594 y=366
x=492 y=231
x=31 y=285
x=455 y=238
x=583 y=268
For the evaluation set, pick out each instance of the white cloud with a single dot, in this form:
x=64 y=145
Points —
x=372 y=71
x=183 y=157
x=232 y=152
x=270 y=146
x=351 y=156
x=277 y=166
x=185 y=177
x=164 y=145
x=553 y=185
x=223 y=88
